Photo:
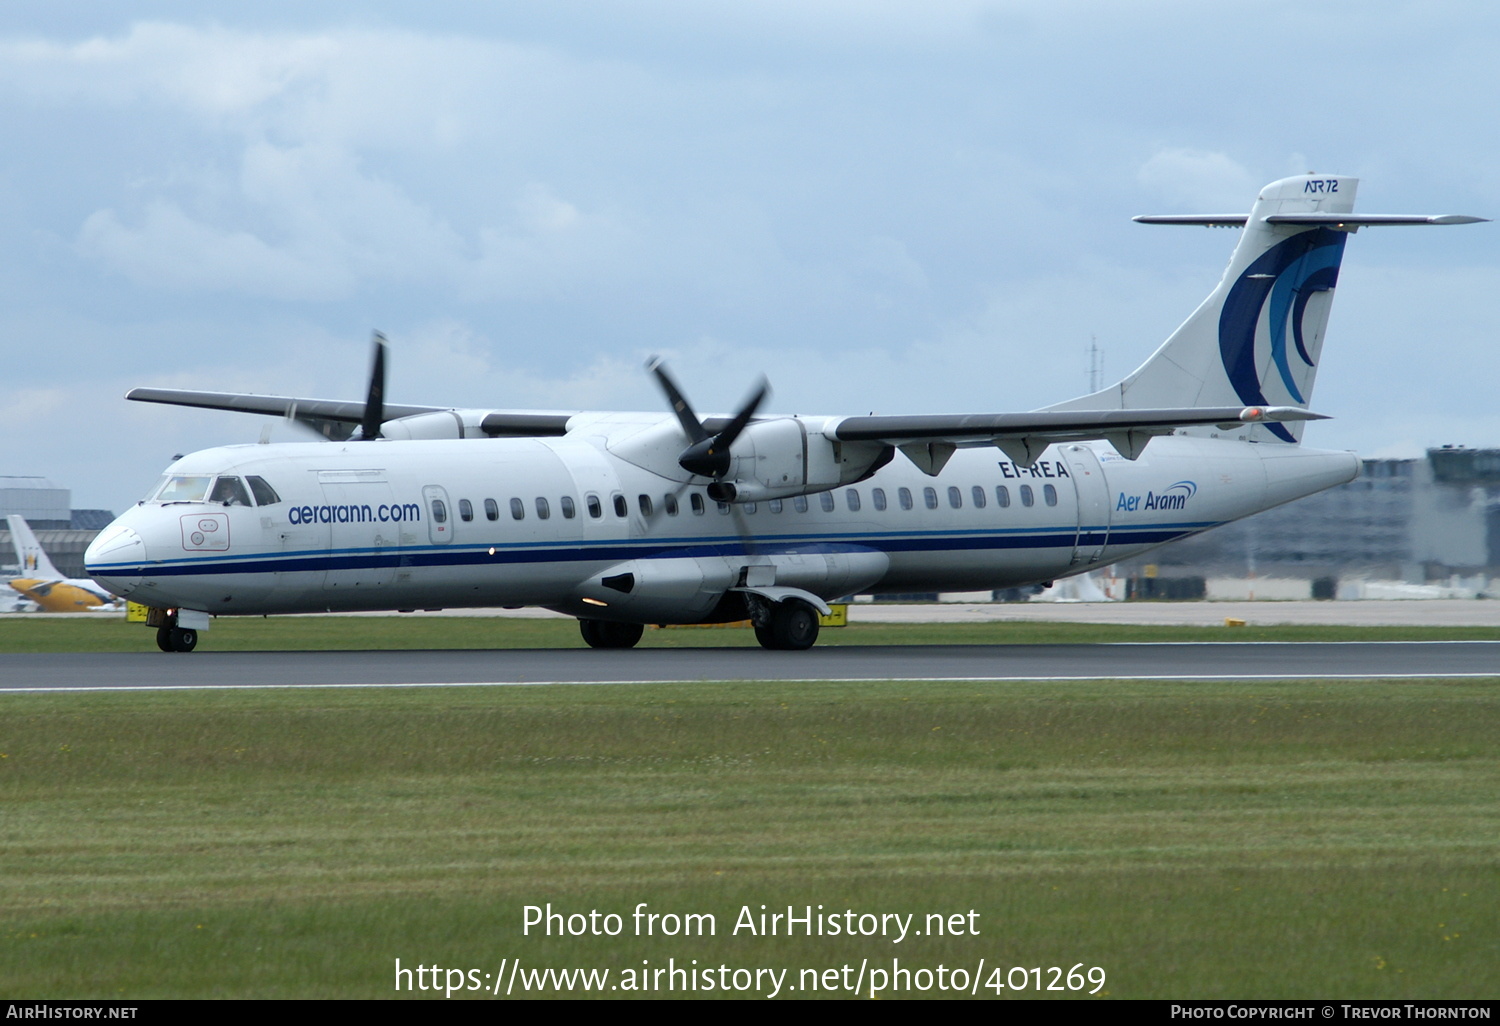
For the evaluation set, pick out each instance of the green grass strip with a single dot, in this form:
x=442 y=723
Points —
x=1295 y=839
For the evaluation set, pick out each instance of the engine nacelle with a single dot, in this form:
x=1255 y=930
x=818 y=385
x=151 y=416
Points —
x=443 y=424
x=473 y=424
x=777 y=459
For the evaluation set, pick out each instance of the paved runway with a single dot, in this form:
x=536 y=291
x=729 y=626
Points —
x=1218 y=661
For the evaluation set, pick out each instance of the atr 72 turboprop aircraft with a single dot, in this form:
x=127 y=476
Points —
x=626 y=519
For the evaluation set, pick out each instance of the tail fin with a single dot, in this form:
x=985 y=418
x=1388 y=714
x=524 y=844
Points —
x=1257 y=338
x=29 y=555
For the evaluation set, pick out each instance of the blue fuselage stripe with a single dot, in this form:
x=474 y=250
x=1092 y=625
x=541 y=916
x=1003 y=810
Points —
x=619 y=550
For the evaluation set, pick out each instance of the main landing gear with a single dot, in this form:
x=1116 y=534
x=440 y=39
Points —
x=176 y=639
x=605 y=634
x=789 y=625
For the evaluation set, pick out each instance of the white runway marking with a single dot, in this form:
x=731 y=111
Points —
x=1020 y=679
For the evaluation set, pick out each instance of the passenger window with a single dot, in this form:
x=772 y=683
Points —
x=491 y=509
x=439 y=511
x=543 y=509
x=877 y=498
x=774 y=505
x=517 y=509
x=851 y=496
x=621 y=509
x=230 y=492
x=978 y=492
x=723 y=508
x=596 y=508
x=929 y=496
x=645 y=502
x=825 y=499
x=265 y=495
x=1027 y=498
x=1002 y=495
x=955 y=497
x=696 y=501
x=799 y=503
x=905 y=496
x=669 y=503
x=1049 y=494
x=569 y=507
x=465 y=510
x=749 y=507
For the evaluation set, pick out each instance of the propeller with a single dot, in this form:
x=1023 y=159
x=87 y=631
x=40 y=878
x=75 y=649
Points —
x=374 y=417
x=340 y=427
x=707 y=455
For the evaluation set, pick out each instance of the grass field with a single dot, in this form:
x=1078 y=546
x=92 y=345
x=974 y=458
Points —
x=99 y=633
x=1193 y=840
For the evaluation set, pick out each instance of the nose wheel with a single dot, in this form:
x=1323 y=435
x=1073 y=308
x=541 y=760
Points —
x=176 y=639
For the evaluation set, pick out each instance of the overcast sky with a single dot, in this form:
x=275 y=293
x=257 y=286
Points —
x=883 y=206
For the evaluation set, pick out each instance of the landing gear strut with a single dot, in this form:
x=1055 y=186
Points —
x=176 y=639
x=605 y=634
x=788 y=625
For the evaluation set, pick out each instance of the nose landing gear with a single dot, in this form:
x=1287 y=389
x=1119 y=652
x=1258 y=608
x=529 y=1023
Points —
x=176 y=639
x=171 y=635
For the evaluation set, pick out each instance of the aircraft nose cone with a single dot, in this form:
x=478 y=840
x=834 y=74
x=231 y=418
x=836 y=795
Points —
x=116 y=559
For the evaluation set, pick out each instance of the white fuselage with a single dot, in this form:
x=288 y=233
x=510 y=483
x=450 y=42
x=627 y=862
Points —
x=566 y=523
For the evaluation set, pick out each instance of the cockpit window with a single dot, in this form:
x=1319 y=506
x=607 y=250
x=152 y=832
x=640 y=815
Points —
x=265 y=495
x=230 y=491
x=183 y=488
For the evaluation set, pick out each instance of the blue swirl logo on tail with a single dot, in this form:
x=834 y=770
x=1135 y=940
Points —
x=1283 y=278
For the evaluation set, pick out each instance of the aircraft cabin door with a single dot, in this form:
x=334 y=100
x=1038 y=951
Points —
x=439 y=513
x=1093 y=504
x=364 y=542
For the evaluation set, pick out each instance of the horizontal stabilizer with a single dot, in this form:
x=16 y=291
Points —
x=1369 y=220
x=1207 y=220
x=1344 y=222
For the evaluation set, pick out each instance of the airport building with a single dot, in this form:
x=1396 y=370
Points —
x=64 y=532
x=1405 y=528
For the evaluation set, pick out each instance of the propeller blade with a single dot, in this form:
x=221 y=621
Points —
x=707 y=455
x=691 y=425
x=729 y=434
x=710 y=457
x=369 y=425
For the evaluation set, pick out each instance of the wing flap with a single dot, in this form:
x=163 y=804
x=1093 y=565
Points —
x=1024 y=436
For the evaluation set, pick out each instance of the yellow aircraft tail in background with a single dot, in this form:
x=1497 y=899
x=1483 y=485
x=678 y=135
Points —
x=41 y=582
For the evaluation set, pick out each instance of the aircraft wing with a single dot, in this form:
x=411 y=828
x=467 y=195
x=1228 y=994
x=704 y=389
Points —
x=331 y=418
x=336 y=419
x=930 y=440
